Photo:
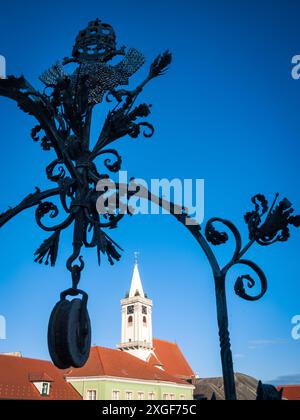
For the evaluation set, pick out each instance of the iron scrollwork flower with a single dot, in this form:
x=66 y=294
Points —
x=276 y=224
x=64 y=113
x=266 y=226
x=239 y=287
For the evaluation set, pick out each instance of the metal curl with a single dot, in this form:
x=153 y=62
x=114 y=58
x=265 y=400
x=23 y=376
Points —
x=150 y=127
x=115 y=166
x=281 y=237
x=45 y=208
x=50 y=169
x=95 y=236
x=240 y=283
x=76 y=269
x=66 y=191
x=216 y=237
x=261 y=204
x=73 y=258
x=45 y=141
x=93 y=242
x=34 y=133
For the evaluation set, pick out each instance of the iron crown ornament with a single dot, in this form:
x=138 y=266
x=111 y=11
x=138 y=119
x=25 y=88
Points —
x=64 y=112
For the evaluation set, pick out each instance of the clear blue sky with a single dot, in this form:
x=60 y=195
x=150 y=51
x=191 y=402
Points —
x=228 y=112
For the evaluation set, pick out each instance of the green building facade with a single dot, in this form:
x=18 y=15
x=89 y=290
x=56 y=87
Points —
x=121 y=389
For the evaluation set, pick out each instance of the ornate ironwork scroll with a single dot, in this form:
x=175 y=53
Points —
x=266 y=226
x=64 y=111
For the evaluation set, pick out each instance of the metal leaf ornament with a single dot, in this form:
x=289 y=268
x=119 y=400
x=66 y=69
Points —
x=48 y=251
x=160 y=65
x=214 y=236
x=64 y=112
x=272 y=225
x=266 y=225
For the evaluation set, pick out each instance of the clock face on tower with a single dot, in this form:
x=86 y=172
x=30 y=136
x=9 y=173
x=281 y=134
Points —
x=130 y=310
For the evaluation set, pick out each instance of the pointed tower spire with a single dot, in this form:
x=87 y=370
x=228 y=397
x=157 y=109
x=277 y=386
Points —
x=136 y=288
x=136 y=337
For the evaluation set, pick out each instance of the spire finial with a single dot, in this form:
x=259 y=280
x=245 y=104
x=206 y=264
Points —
x=136 y=257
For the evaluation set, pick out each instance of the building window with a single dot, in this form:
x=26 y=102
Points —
x=91 y=395
x=182 y=397
x=128 y=396
x=141 y=396
x=172 y=397
x=151 y=396
x=130 y=321
x=166 y=396
x=45 y=389
x=130 y=310
x=116 y=395
x=145 y=321
x=144 y=310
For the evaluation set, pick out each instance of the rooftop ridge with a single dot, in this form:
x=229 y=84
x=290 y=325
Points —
x=99 y=357
x=8 y=356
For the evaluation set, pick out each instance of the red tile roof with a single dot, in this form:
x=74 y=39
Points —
x=171 y=358
x=17 y=375
x=116 y=363
x=39 y=377
x=291 y=392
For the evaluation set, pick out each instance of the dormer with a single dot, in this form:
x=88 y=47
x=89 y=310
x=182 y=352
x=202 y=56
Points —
x=42 y=382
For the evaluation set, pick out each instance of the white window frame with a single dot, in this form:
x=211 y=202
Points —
x=166 y=397
x=93 y=392
x=182 y=397
x=151 y=394
x=116 y=391
x=127 y=394
x=172 y=397
x=141 y=395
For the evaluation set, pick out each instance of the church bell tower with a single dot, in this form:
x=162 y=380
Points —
x=137 y=319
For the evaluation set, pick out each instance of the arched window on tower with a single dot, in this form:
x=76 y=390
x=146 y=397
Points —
x=145 y=321
x=130 y=321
